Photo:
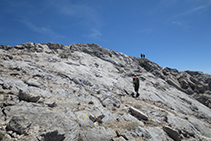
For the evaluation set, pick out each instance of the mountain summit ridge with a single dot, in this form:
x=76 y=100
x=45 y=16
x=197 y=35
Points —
x=83 y=92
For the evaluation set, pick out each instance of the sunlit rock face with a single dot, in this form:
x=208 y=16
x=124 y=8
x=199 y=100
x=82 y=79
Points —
x=83 y=92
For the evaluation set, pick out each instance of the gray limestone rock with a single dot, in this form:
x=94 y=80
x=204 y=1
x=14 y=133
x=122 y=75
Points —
x=5 y=47
x=98 y=134
x=172 y=133
x=19 y=124
x=83 y=92
x=53 y=136
x=29 y=97
x=137 y=113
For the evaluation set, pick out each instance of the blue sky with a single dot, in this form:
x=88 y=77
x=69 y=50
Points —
x=172 y=33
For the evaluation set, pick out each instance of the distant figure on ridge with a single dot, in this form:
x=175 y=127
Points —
x=136 y=84
x=142 y=55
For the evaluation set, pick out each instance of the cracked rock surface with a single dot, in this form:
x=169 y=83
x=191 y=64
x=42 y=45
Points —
x=83 y=92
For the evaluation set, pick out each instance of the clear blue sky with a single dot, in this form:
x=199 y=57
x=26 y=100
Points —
x=172 y=33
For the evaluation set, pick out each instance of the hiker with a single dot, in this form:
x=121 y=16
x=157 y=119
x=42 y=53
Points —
x=136 y=84
x=142 y=55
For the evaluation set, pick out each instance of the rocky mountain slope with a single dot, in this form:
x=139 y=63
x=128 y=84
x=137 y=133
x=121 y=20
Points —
x=82 y=92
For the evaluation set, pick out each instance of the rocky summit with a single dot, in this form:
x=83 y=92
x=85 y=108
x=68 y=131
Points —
x=84 y=92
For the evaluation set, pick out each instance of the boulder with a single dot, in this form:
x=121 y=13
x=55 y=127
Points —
x=137 y=114
x=172 y=133
x=19 y=124
x=29 y=97
x=53 y=136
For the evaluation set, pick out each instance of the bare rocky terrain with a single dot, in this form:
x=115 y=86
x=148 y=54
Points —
x=82 y=92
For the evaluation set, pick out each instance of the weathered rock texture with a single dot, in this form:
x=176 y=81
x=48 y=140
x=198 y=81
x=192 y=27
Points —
x=51 y=92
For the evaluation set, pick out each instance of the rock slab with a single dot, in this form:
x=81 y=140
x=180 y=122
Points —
x=137 y=114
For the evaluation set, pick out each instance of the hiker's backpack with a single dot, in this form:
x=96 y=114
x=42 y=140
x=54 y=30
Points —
x=136 y=80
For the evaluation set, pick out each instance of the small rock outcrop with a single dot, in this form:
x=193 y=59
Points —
x=83 y=92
